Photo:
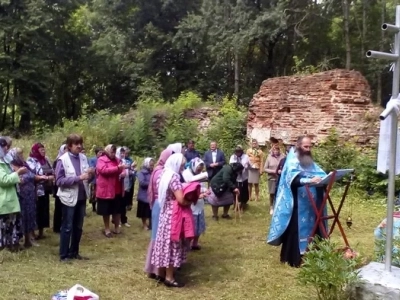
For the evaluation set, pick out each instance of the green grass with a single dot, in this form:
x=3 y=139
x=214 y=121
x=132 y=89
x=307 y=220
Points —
x=235 y=262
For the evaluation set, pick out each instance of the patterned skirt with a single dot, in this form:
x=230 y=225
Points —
x=167 y=253
x=10 y=230
x=28 y=213
x=199 y=224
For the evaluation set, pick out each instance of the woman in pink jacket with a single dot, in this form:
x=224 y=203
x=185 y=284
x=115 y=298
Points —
x=109 y=189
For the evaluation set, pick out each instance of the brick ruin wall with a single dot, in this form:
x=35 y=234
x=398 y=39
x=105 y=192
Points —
x=287 y=107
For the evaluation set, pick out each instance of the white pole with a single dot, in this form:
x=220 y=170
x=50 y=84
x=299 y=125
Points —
x=392 y=158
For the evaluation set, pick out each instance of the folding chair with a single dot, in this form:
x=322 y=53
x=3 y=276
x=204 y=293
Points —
x=238 y=208
x=319 y=211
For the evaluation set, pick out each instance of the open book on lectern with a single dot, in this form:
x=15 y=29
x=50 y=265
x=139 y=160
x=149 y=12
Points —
x=338 y=175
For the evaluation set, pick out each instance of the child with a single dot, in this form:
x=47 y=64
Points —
x=194 y=173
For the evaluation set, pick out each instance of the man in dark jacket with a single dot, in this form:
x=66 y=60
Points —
x=191 y=152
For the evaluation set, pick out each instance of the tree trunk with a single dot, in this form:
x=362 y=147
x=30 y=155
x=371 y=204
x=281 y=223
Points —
x=237 y=75
x=381 y=45
x=4 y=107
x=364 y=29
x=346 y=10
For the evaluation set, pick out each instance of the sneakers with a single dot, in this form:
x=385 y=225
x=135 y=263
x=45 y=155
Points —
x=127 y=225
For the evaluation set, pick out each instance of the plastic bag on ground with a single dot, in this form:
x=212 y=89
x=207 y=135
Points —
x=77 y=292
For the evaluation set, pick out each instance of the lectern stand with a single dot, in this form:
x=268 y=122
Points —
x=327 y=183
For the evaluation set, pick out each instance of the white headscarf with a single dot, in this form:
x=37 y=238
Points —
x=118 y=152
x=176 y=148
x=194 y=163
x=146 y=162
x=172 y=166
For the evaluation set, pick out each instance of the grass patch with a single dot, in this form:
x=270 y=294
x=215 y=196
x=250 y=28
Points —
x=235 y=262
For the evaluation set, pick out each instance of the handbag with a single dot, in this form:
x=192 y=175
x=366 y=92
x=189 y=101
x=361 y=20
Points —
x=219 y=189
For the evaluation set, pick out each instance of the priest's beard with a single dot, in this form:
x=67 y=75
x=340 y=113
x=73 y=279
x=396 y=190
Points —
x=305 y=158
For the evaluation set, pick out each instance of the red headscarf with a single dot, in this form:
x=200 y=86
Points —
x=36 y=154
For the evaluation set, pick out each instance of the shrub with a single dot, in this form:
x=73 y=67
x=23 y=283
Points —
x=150 y=127
x=334 y=154
x=228 y=128
x=328 y=271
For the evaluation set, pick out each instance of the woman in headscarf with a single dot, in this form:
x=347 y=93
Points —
x=152 y=195
x=143 y=207
x=223 y=188
x=195 y=173
x=109 y=188
x=168 y=253
x=41 y=166
x=27 y=196
x=176 y=148
x=10 y=220
x=57 y=217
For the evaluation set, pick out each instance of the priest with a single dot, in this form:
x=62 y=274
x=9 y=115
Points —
x=294 y=218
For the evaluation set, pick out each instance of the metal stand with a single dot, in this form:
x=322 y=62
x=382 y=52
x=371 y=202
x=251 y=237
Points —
x=395 y=57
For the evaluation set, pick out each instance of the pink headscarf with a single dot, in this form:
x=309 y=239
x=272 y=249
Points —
x=160 y=166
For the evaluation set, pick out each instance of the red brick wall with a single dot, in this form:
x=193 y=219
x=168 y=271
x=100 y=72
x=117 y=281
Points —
x=313 y=104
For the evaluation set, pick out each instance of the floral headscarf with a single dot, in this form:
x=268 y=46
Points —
x=36 y=154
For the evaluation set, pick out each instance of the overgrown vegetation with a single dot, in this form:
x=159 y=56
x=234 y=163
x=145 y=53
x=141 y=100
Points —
x=153 y=125
x=334 y=153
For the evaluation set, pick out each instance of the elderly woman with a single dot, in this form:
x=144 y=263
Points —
x=143 y=207
x=152 y=196
x=41 y=166
x=195 y=173
x=27 y=196
x=109 y=188
x=223 y=188
x=176 y=148
x=271 y=165
x=167 y=254
x=10 y=220
x=256 y=156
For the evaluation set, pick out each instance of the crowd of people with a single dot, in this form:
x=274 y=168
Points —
x=171 y=196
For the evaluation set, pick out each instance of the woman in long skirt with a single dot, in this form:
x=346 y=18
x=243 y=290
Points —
x=152 y=196
x=167 y=254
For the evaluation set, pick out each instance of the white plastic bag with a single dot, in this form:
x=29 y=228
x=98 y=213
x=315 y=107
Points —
x=78 y=292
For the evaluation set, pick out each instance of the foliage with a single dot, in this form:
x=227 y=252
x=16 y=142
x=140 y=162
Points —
x=333 y=154
x=62 y=61
x=150 y=127
x=228 y=128
x=327 y=270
